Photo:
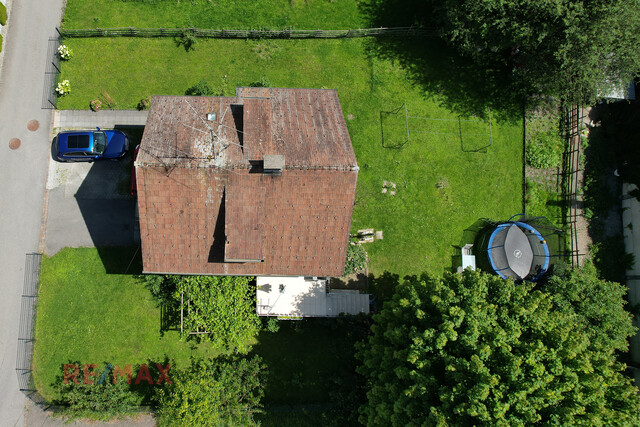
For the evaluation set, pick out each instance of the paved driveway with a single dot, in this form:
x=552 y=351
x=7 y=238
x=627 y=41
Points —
x=89 y=205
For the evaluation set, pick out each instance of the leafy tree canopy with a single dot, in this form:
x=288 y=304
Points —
x=221 y=305
x=575 y=49
x=474 y=349
x=213 y=392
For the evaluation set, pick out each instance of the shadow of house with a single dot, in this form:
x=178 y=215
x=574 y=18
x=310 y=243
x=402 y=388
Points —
x=109 y=211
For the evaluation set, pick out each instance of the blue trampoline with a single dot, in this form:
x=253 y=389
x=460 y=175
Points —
x=517 y=250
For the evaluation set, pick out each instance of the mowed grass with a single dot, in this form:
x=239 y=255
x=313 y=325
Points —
x=276 y=14
x=442 y=184
x=86 y=315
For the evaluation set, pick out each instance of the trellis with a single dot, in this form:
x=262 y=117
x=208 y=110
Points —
x=197 y=331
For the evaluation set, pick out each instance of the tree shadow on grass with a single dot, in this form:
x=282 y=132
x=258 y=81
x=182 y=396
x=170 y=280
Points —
x=461 y=85
x=311 y=365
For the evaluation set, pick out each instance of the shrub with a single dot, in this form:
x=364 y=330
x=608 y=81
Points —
x=3 y=17
x=356 y=259
x=215 y=392
x=65 y=52
x=263 y=82
x=272 y=325
x=63 y=88
x=161 y=287
x=188 y=40
x=202 y=88
x=98 y=400
x=544 y=150
x=144 y=103
x=96 y=104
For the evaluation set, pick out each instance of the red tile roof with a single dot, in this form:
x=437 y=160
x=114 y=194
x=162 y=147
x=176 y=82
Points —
x=244 y=218
x=207 y=208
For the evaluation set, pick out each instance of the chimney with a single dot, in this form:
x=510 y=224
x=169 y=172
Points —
x=273 y=164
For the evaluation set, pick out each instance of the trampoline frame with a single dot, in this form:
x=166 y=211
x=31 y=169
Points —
x=543 y=242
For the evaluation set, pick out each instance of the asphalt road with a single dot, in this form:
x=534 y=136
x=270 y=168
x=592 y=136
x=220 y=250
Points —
x=22 y=173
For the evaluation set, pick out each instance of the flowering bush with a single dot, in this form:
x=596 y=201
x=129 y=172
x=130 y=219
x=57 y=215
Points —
x=96 y=104
x=65 y=52
x=63 y=88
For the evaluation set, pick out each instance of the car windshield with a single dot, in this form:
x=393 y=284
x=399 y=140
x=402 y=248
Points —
x=99 y=142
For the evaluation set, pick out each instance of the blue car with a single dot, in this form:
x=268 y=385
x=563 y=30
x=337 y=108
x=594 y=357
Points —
x=91 y=145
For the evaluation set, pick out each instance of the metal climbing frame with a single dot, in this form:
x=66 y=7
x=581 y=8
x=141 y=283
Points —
x=409 y=130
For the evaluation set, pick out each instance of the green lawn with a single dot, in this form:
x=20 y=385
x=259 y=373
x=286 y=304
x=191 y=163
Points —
x=298 y=14
x=544 y=201
x=88 y=316
x=442 y=186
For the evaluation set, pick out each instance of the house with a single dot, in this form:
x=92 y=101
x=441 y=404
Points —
x=261 y=184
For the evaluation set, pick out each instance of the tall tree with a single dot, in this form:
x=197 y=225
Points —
x=474 y=349
x=213 y=392
x=574 y=49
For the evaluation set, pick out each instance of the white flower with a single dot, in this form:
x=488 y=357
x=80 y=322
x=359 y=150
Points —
x=63 y=87
x=64 y=51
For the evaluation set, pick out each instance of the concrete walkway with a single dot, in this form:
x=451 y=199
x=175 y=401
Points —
x=108 y=119
x=24 y=155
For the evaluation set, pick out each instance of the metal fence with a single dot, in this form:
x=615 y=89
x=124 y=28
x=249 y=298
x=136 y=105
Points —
x=572 y=123
x=524 y=156
x=51 y=73
x=26 y=338
x=247 y=34
x=556 y=193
